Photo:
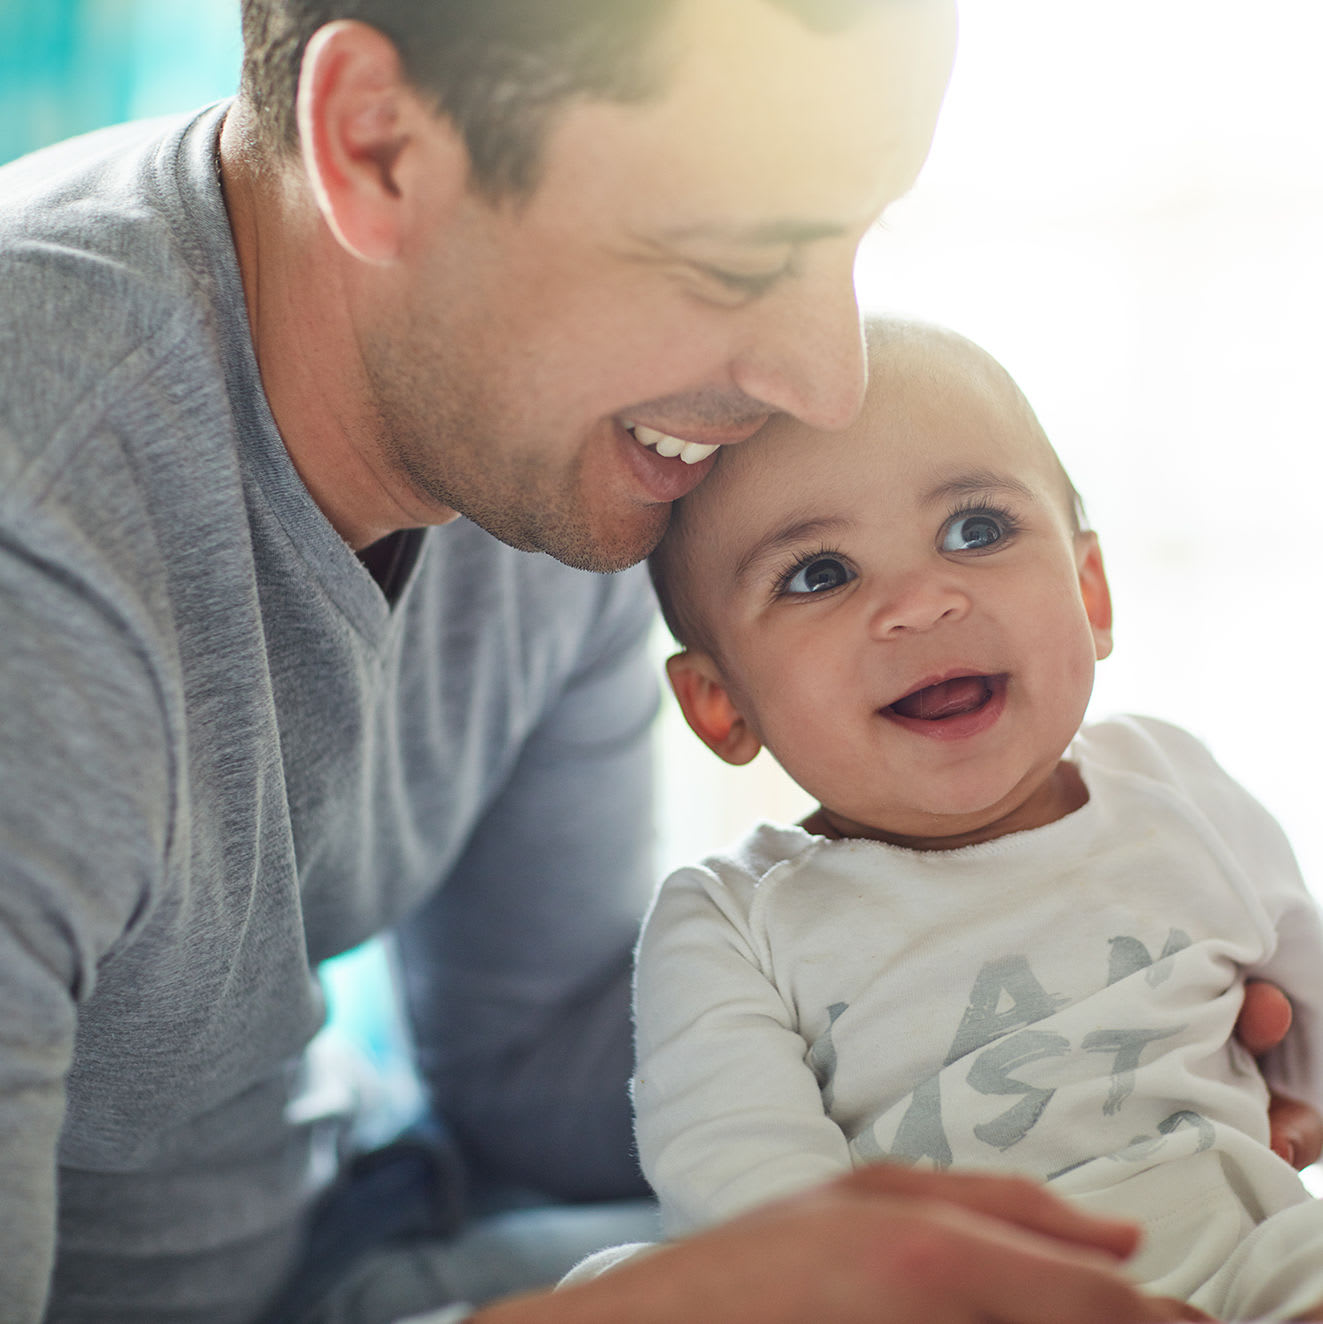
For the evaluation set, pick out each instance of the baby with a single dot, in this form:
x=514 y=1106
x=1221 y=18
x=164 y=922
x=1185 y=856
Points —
x=1002 y=940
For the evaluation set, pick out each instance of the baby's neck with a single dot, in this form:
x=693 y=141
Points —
x=1062 y=793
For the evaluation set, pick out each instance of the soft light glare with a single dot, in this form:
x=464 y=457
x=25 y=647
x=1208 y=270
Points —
x=1124 y=203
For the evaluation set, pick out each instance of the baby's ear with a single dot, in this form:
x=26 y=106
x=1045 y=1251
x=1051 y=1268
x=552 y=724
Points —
x=708 y=708
x=1093 y=588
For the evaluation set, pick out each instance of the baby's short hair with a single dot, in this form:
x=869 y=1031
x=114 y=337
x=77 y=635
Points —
x=668 y=568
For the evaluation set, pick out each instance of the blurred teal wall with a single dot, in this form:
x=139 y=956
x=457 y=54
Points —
x=67 y=66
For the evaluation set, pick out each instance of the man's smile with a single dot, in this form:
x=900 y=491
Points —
x=689 y=451
x=670 y=447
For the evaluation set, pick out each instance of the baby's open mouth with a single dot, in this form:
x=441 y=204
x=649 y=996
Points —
x=949 y=698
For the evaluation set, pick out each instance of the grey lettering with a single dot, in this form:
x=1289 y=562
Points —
x=864 y=1147
x=1187 y=1117
x=992 y=1074
x=1142 y=1148
x=821 y=1057
x=1128 y=1045
x=1138 y=1150
x=983 y=1022
x=1128 y=956
x=921 y=1134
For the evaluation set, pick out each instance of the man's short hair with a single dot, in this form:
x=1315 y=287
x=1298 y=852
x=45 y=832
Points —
x=499 y=69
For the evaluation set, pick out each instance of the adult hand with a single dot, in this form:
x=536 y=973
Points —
x=1296 y=1128
x=883 y=1243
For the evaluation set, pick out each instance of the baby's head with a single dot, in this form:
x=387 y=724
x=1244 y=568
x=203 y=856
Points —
x=906 y=613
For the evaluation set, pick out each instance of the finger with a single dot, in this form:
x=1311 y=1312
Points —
x=1182 y=1310
x=985 y=1270
x=1265 y=1017
x=1295 y=1131
x=1014 y=1200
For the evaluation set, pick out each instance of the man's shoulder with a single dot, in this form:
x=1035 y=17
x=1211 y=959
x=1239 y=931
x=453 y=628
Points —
x=103 y=269
x=116 y=211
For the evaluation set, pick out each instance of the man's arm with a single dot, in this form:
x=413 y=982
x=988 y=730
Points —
x=517 y=974
x=884 y=1243
x=83 y=791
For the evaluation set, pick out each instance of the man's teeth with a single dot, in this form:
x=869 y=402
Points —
x=689 y=451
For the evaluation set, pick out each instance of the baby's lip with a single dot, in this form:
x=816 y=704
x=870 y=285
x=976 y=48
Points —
x=955 y=694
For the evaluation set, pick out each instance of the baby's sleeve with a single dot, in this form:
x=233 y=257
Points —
x=1295 y=1067
x=728 y=1114
x=1272 y=876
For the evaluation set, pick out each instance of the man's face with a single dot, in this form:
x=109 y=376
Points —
x=684 y=268
x=903 y=612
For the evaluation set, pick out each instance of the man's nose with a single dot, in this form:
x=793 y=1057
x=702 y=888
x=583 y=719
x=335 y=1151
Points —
x=804 y=353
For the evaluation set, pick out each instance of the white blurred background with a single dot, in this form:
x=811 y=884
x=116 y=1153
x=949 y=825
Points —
x=1124 y=203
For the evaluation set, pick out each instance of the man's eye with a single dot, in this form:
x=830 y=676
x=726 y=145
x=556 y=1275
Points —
x=748 y=286
x=817 y=576
x=745 y=284
x=974 y=533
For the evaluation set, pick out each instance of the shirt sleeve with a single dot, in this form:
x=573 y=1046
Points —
x=729 y=1114
x=1274 y=888
x=1296 y=1066
x=517 y=973
x=84 y=814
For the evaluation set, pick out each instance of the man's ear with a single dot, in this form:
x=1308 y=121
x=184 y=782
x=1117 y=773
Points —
x=707 y=707
x=1093 y=589
x=369 y=141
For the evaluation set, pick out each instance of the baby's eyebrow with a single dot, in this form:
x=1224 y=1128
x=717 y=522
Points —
x=977 y=482
x=787 y=535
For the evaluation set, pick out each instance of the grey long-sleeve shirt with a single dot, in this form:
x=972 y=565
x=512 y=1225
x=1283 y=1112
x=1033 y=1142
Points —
x=224 y=756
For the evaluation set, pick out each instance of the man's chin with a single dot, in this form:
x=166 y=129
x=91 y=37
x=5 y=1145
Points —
x=604 y=553
x=602 y=546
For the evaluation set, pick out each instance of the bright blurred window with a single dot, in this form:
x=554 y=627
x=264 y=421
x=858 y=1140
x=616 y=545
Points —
x=1124 y=203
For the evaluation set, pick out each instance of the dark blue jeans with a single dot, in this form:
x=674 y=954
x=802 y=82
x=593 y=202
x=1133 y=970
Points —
x=393 y=1238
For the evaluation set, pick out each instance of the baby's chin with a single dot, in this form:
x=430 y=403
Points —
x=958 y=820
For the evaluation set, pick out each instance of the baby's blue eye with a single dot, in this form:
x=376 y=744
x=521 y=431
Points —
x=973 y=533
x=817 y=575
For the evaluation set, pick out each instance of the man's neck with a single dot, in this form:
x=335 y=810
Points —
x=298 y=287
